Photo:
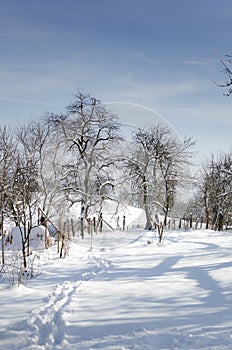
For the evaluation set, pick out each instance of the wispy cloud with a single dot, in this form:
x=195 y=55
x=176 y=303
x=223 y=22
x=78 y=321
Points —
x=130 y=88
x=211 y=113
x=37 y=80
x=197 y=62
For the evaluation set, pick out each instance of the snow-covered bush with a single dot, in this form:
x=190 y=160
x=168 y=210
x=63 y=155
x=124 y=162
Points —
x=39 y=238
x=14 y=272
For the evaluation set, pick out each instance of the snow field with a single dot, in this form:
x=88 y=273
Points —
x=136 y=295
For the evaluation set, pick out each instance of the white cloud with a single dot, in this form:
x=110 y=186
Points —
x=133 y=90
x=197 y=62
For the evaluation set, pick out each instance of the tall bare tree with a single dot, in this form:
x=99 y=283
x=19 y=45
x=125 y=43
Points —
x=22 y=199
x=156 y=167
x=7 y=159
x=215 y=191
x=89 y=131
x=40 y=141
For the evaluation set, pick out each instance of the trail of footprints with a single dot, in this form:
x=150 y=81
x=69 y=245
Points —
x=47 y=323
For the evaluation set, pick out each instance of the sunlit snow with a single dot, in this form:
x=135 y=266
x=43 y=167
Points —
x=128 y=292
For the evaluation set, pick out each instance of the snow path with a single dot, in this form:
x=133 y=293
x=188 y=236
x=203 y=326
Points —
x=48 y=322
x=175 y=296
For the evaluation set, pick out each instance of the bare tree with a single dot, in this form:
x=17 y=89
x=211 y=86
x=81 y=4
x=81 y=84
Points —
x=215 y=191
x=25 y=194
x=227 y=70
x=156 y=168
x=24 y=190
x=142 y=165
x=173 y=165
x=202 y=198
x=89 y=132
x=7 y=158
x=40 y=142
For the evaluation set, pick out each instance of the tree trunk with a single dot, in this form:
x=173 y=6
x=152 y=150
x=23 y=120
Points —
x=2 y=232
x=220 y=222
x=146 y=205
x=24 y=254
x=160 y=232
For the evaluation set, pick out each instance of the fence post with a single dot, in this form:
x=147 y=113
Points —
x=94 y=224
x=201 y=221
x=191 y=220
x=2 y=233
x=72 y=227
x=124 y=223
x=91 y=233
x=82 y=228
x=101 y=222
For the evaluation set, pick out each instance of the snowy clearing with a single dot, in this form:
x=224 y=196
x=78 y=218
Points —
x=130 y=295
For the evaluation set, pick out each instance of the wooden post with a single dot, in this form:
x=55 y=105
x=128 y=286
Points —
x=58 y=242
x=59 y=233
x=191 y=220
x=28 y=240
x=101 y=222
x=2 y=232
x=82 y=217
x=91 y=233
x=202 y=219
x=88 y=222
x=94 y=224
x=82 y=228
x=68 y=230
x=64 y=228
x=72 y=227
x=118 y=223
x=123 y=223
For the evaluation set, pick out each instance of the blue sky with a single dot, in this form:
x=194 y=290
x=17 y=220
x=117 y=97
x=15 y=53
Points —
x=162 y=54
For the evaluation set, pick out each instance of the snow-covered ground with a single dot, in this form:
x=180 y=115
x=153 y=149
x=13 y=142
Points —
x=125 y=294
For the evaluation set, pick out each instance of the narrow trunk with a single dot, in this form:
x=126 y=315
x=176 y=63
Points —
x=2 y=232
x=160 y=232
x=24 y=245
x=167 y=200
x=146 y=205
x=24 y=256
